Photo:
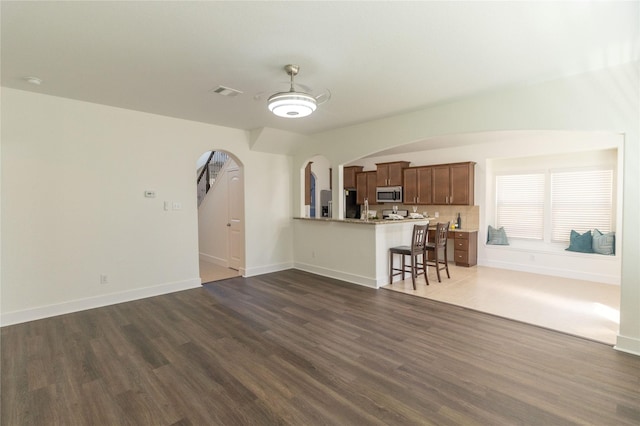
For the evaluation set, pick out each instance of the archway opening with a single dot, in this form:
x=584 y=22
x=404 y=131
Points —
x=317 y=186
x=221 y=216
x=592 y=300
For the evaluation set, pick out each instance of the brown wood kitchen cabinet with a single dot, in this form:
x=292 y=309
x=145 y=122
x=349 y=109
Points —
x=366 y=187
x=465 y=251
x=453 y=184
x=418 y=185
x=349 y=176
x=390 y=174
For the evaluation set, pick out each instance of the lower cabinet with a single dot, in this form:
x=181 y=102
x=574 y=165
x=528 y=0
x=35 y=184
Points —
x=465 y=251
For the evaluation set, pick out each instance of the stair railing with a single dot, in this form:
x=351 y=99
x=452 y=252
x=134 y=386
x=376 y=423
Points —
x=207 y=177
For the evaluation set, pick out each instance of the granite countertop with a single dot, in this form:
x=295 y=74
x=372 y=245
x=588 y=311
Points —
x=363 y=222
x=432 y=220
x=432 y=225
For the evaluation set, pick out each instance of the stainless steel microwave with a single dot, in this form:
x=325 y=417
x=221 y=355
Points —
x=389 y=194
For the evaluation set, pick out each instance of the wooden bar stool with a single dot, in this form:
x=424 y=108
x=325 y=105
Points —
x=439 y=243
x=417 y=248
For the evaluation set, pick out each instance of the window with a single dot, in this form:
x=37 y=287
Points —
x=520 y=205
x=547 y=206
x=581 y=200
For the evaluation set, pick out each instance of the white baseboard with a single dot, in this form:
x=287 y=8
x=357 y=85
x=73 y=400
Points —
x=555 y=272
x=266 y=269
x=629 y=345
x=343 y=276
x=17 y=317
x=213 y=259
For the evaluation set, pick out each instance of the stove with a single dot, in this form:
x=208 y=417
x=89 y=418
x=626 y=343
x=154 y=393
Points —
x=403 y=213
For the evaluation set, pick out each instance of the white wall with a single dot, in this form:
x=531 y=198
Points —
x=73 y=178
x=601 y=101
x=268 y=224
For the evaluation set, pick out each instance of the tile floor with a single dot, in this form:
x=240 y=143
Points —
x=212 y=272
x=583 y=308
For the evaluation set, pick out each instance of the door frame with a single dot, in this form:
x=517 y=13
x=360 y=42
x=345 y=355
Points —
x=240 y=168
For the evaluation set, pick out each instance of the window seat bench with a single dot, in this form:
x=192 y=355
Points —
x=552 y=259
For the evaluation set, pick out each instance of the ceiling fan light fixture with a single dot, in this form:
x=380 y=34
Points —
x=292 y=104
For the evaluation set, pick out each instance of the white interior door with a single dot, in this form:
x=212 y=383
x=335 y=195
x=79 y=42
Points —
x=236 y=213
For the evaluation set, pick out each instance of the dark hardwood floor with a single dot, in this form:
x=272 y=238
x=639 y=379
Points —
x=295 y=348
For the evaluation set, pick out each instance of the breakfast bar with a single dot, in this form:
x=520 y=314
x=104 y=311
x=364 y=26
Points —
x=352 y=250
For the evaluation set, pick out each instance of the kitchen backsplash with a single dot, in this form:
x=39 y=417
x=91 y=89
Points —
x=470 y=215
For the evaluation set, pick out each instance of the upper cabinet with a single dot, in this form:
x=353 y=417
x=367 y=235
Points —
x=366 y=187
x=418 y=185
x=390 y=174
x=438 y=184
x=349 y=176
x=453 y=184
x=442 y=184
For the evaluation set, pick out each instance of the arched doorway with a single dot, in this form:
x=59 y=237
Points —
x=221 y=215
x=317 y=185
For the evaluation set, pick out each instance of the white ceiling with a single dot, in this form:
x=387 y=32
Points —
x=377 y=58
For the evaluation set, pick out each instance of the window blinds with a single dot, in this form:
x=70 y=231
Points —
x=520 y=205
x=581 y=200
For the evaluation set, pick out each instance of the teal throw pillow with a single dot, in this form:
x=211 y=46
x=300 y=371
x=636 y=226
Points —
x=497 y=236
x=604 y=243
x=581 y=243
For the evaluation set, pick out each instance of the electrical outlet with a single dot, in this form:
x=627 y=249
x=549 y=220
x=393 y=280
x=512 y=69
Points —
x=104 y=279
x=177 y=205
x=437 y=214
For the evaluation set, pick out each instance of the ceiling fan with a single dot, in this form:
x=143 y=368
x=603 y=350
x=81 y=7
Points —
x=295 y=104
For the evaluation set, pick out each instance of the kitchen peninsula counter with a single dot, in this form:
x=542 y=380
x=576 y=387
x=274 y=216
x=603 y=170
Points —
x=364 y=222
x=351 y=250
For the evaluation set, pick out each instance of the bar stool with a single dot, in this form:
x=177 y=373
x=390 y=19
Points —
x=440 y=242
x=417 y=248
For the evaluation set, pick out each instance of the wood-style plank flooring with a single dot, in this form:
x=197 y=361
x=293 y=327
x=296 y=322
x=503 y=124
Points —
x=295 y=348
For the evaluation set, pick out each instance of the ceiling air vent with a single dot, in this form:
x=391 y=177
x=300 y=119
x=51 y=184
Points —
x=226 y=91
